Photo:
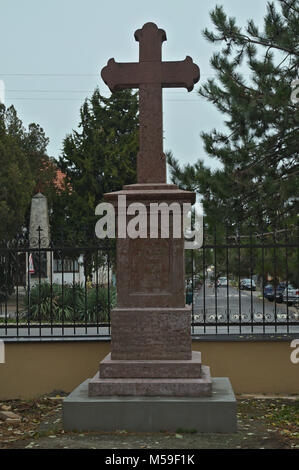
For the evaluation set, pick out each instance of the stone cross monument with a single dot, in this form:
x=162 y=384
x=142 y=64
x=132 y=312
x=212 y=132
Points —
x=151 y=326
x=151 y=380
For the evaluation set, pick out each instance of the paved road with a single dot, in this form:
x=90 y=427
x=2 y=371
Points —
x=235 y=306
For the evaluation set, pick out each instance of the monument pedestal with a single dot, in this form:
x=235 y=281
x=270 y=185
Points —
x=151 y=351
x=152 y=380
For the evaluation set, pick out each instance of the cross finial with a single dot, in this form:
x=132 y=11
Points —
x=150 y=39
x=150 y=75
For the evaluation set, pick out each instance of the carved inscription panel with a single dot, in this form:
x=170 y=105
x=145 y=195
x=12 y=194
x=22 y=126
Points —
x=150 y=266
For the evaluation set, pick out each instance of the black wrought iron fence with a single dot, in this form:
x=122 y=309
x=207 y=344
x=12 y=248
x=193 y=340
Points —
x=236 y=283
x=245 y=283
x=57 y=290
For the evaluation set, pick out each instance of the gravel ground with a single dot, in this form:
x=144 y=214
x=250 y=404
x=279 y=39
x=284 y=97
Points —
x=262 y=424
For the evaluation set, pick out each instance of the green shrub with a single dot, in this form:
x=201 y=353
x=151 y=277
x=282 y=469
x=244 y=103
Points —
x=70 y=303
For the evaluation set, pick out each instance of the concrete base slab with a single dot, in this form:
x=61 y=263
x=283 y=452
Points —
x=214 y=414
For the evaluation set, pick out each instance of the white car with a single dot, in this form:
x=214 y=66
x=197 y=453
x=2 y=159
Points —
x=291 y=295
x=222 y=282
x=247 y=284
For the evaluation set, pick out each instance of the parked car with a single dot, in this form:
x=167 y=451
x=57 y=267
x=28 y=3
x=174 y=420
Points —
x=279 y=291
x=222 y=282
x=247 y=284
x=269 y=292
x=291 y=295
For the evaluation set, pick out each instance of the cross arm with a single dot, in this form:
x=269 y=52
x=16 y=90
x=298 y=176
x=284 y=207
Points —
x=182 y=73
x=118 y=76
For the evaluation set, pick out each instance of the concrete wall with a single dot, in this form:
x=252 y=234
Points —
x=35 y=368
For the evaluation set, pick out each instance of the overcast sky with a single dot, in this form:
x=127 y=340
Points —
x=53 y=51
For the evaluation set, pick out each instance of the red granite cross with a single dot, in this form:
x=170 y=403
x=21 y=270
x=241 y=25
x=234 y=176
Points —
x=150 y=75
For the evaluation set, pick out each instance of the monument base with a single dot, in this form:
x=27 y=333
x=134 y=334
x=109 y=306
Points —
x=142 y=369
x=217 y=413
x=179 y=387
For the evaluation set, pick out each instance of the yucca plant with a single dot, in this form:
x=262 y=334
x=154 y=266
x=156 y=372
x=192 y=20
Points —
x=38 y=304
x=97 y=307
x=70 y=300
x=68 y=303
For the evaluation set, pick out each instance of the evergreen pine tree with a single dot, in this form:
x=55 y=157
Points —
x=97 y=158
x=259 y=181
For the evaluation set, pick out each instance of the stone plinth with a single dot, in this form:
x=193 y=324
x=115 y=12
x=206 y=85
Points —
x=151 y=333
x=179 y=387
x=151 y=271
x=172 y=369
x=151 y=320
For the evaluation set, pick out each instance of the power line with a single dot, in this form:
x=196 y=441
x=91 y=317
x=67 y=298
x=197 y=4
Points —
x=50 y=91
x=50 y=74
x=76 y=91
x=80 y=99
x=69 y=74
